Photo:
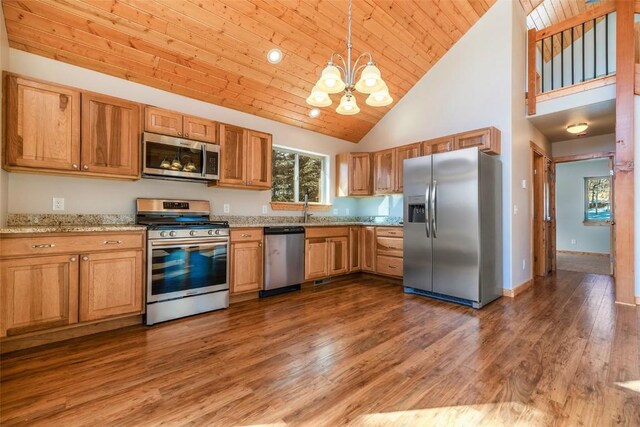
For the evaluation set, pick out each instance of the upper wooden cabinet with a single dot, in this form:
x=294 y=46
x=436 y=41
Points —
x=488 y=139
x=38 y=293
x=353 y=174
x=110 y=135
x=383 y=171
x=402 y=153
x=42 y=126
x=438 y=145
x=245 y=158
x=171 y=123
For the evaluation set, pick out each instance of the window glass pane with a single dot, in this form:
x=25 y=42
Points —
x=310 y=182
x=283 y=181
x=597 y=199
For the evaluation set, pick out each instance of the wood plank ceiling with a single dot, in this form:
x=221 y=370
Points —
x=544 y=13
x=215 y=51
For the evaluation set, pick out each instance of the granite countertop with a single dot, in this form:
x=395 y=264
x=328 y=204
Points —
x=312 y=224
x=23 y=229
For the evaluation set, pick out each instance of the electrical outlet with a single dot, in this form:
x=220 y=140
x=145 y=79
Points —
x=574 y=242
x=524 y=264
x=335 y=211
x=515 y=209
x=58 y=204
x=347 y=211
x=264 y=209
x=524 y=183
x=226 y=208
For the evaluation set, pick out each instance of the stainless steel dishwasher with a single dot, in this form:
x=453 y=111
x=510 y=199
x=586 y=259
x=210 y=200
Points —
x=283 y=259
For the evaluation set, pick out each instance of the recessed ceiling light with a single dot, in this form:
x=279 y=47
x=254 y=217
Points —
x=577 y=128
x=274 y=56
x=314 y=112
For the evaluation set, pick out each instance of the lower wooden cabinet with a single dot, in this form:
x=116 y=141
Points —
x=246 y=267
x=316 y=265
x=368 y=249
x=389 y=251
x=338 y=255
x=38 y=293
x=354 y=248
x=110 y=284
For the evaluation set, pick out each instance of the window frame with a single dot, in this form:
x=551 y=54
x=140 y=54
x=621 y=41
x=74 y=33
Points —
x=585 y=189
x=324 y=181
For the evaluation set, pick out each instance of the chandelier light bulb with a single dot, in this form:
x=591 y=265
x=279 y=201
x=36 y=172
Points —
x=318 y=98
x=380 y=98
x=370 y=80
x=348 y=105
x=330 y=80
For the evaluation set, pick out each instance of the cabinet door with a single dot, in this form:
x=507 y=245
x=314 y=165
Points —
x=38 y=293
x=368 y=248
x=403 y=153
x=441 y=145
x=43 y=125
x=232 y=154
x=164 y=122
x=315 y=259
x=246 y=267
x=110 y=135
x=354 y=248
x=258 y=159
x=199 y=129
x=360 y=174
x=488 y=139
x=338 y=255
x=110 y=284
x=383 y=175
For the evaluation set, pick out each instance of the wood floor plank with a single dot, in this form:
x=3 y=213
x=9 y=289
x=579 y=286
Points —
x=359 y=352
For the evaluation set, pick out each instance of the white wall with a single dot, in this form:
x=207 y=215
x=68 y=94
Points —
x=4 y=64
x=570 y=201
x=83 y=195
x=592 y=144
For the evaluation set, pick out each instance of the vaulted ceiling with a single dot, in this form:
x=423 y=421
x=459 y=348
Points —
x=215 y=51
x=544 y=13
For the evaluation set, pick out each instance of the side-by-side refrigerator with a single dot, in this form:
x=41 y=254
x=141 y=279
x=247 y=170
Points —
x=453 y=226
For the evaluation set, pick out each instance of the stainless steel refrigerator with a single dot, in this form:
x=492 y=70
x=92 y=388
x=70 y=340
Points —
x=453 y=226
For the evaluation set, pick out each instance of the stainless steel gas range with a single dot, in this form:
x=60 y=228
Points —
x=187 y=258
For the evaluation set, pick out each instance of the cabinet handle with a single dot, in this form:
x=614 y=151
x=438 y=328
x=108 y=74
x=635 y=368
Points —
x=85 y=167
x=186 y=135
x=246 y=235
x=75 y=166
x=85 y=258
x=391 y=232
x=392 y=266
x=73 y=259
x=112 y=242
x=179 y=133
x=44 y=245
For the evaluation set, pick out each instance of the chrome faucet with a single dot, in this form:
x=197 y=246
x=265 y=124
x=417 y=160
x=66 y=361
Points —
x=306 y=214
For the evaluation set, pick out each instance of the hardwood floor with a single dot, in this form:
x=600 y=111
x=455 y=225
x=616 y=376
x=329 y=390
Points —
x=595 y=264
x=358 y=353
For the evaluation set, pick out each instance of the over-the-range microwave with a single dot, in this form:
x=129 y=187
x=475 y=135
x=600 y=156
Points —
x=168 y=157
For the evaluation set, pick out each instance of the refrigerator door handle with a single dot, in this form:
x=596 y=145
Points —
x=426 y=208
x=434 y=206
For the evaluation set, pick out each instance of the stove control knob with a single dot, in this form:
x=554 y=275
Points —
x=210 y=232
x=217 y=231
x=192 y=233
x=163 y=234
x=172 y=233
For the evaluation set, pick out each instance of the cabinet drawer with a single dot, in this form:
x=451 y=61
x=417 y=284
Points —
x=389 y=265
x=246 y=234
x=313 y=232
x=48 y=244
x=389 y=246
x=390 y=231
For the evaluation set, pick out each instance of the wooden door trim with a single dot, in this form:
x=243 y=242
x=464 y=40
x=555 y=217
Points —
x=578 y=157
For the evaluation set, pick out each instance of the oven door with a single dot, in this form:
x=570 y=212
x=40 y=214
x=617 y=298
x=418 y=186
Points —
x=185 y=267
x=171 y=158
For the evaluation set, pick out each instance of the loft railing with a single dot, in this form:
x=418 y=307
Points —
x=577 y=53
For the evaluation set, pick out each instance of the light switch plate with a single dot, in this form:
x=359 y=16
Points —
x=226 y=208
x=264 y=209
x=515 y=209
x=574 y=242
x=58 y=203
x=524 y=183
x=347 y=211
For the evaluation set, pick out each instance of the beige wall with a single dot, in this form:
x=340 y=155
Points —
x=592 y=144
x=33 y=193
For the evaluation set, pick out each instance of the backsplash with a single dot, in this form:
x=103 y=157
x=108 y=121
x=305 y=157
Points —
x=258 y=219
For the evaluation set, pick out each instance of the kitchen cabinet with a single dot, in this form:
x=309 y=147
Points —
x=354 y=248
x=338 y=255
x=42 y=126
x=110 y=284
x=368 y=249
x=165 y=122
x=57 y=280
x=389 y=251
x=245 y=158
x=326 y=252
x=402 y=153
x=110 y=136
x=438 y=145
x=38 y=293
x=487 y=139
x=383 y=171
x=316 y=259
x=353 y=174
x=246 y=261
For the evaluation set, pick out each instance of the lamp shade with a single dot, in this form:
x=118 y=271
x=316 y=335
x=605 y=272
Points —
x=318 y=98
x=348 y=105
x=577 y=128
x=380 y=98
x=330 y=80
x=370 y=80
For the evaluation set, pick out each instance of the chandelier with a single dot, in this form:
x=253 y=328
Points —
x=330 y=82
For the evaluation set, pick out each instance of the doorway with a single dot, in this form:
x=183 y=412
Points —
x=543 y=230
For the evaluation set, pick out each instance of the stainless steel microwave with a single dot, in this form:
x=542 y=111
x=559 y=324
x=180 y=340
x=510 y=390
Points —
x=168 y=157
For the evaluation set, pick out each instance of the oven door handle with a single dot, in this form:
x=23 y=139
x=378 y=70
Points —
x=189 y=242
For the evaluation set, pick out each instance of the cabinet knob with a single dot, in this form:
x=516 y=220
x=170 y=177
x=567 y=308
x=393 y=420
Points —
x=85 y=167
x=246 y=235
x=186 y=134
x=85 y=258
x=75 y=166
x=260 y=244
x=179 y=133
x=73 y=259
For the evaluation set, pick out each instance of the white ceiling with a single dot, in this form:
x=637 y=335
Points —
x=601 y=118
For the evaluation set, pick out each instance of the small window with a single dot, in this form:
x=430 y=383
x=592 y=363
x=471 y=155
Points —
x=296 y=174
x=597 y=197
